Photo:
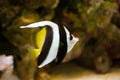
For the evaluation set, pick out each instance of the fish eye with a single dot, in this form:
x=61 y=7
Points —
x=71 y=37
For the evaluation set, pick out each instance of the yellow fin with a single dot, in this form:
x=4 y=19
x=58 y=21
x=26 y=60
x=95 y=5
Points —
x=40 y=38
x=36 y=53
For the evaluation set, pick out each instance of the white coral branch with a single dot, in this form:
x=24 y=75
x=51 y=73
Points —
x=5 y=62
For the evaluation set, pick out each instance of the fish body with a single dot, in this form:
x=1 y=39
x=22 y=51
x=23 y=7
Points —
x=53 y=42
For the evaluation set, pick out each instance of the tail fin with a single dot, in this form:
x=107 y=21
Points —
x=35 y=52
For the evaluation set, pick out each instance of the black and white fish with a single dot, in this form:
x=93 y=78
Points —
x=53 y=42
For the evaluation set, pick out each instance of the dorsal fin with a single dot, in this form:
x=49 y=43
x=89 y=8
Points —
x=40 y=24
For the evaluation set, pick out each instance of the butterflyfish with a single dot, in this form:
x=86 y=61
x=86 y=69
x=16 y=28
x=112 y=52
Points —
x=53 y=41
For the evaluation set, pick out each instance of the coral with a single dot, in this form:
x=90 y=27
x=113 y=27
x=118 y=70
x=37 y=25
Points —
x=95 y=22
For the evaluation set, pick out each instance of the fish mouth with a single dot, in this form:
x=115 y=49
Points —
x=76 y=39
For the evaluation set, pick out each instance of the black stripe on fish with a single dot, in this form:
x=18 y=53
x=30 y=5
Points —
x=62 y=45
x=46 y=46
